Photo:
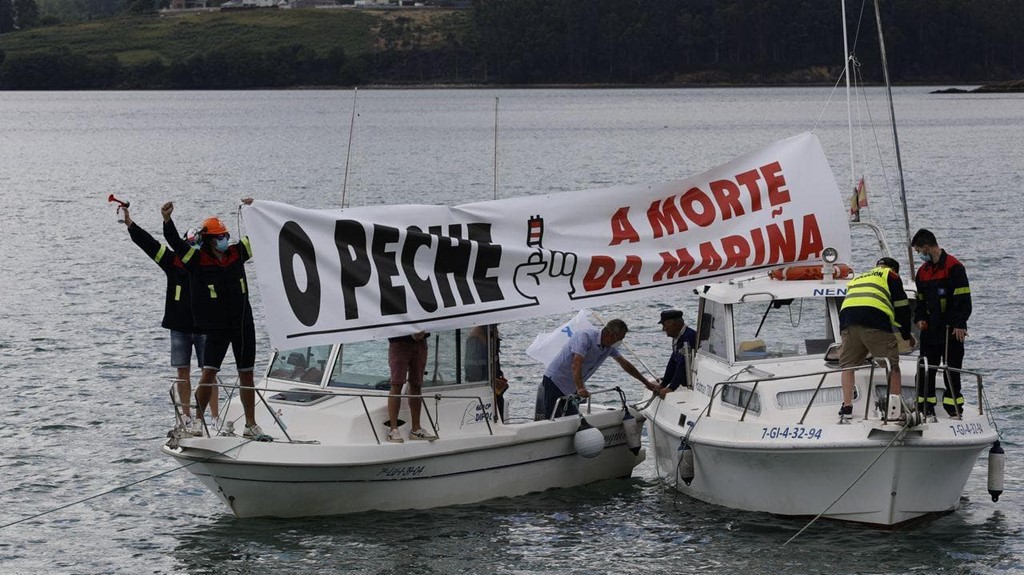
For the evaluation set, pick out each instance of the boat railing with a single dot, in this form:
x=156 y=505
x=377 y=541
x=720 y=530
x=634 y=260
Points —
x=574 y=398
x=923 y=368
x=262 y=391
x=717 y=388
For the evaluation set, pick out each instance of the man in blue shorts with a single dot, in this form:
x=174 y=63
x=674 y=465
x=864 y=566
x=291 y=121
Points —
x=177 y=317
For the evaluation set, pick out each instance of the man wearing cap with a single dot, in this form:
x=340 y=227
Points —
x=580 y=357
x=683 y=338
x=220 y=307
x=875 y=301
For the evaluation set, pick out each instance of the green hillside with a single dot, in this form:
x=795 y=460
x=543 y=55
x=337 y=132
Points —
x=173 y=38
x=522 y=42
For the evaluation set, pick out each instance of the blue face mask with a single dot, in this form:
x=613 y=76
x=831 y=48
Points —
x=221 y=244
x=925 y=257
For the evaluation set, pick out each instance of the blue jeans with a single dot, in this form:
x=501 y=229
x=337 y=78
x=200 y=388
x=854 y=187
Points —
x=182 y=344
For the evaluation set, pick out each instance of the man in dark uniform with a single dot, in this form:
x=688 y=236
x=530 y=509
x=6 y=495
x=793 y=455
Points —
x=683 y=337
x=221 y=310
x=943 y=308
x=177 y=317
x=875 y=301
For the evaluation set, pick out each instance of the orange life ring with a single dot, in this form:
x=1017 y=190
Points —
x=812 y=272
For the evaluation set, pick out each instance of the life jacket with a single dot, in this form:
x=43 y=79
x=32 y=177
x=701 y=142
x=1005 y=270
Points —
x=871 y=289
x=943 y=294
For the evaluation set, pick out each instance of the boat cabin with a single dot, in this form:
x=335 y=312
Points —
x=456 y=358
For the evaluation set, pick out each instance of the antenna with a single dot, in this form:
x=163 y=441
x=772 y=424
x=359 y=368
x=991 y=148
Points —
x=849 y=116
x=348 y=153
x=496 y=147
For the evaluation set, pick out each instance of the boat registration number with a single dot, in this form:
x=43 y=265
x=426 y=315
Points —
x=967 y=429
x=794 y=432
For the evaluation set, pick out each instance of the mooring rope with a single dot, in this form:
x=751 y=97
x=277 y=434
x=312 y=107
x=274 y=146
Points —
x=120 y=487
x=847 y=490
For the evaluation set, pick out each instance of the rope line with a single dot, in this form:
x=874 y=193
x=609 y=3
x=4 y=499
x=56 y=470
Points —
x=847 y=490
x=120 y=487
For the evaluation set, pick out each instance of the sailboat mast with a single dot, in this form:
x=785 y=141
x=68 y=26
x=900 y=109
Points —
x=849 y=114
x=895 y=138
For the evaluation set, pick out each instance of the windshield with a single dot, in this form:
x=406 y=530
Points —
x=303 y=364
x=782 y=328
x=364 y=364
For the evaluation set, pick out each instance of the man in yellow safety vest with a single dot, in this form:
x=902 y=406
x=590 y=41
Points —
x=875 y=301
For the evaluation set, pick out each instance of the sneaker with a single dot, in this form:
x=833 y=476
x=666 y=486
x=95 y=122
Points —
x=422 y=434
x=254 y=433
x=214 y=424
x=845 y=413
x=395 y=437
x=196 y=427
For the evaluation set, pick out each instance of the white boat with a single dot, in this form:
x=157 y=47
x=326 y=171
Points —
x=757 y=429
x=326 y=407
x=757 y=426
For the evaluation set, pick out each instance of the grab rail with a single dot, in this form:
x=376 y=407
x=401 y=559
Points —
x=567 y=398
x=261 y=391
x=871 y=366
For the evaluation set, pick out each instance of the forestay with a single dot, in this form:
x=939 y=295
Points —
x=351 y=274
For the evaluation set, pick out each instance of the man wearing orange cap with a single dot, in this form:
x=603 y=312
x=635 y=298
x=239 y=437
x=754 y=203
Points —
x=220 y=306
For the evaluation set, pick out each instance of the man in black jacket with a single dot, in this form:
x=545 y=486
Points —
x=220 y=309
x=943 y=308
x=177 y=318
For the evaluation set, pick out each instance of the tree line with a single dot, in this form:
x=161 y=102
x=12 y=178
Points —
x=524 y=42
x=18 y=15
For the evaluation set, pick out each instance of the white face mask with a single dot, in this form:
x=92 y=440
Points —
x=925 y=257
x=617 y=343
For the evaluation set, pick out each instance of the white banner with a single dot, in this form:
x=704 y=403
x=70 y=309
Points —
x=369 y=272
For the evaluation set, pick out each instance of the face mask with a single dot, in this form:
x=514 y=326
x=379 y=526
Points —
x=924 y=257
x=221 y=244
x=617 y=344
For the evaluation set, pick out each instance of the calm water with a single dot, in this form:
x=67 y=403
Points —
x=84 y=361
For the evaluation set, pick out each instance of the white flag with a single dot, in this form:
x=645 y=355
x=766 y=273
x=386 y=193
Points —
x=545 y=346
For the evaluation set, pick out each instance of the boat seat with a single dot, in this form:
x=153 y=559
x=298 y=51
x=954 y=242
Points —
x=752 y=349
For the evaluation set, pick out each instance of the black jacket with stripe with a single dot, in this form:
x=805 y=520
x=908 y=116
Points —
x=943 y=297
x=177 y=302
x=220 y=290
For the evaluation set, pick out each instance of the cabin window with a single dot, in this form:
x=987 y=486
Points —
x=799 y=398
x=364 y=364
x=782 y=328
x=303 y=364
x=713 y=337
x=737 y=396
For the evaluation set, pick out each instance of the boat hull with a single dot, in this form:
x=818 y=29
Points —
x=414 y=475
x=883 y=480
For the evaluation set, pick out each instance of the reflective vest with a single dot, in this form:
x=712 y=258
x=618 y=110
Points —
x=871 y=289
